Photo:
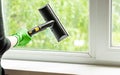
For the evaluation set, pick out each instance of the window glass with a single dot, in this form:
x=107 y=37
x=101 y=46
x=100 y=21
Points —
x=115 y=22
x=73 y=14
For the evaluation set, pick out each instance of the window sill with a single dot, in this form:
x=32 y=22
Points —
x=60 y=68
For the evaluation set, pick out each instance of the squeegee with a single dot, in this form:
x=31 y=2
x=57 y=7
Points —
x=52 y=22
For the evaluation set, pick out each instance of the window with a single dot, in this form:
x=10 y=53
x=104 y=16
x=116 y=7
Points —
x=74 y=16
x=101 y=30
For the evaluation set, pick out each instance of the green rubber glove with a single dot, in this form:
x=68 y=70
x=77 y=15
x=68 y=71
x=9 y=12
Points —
x=23 y=37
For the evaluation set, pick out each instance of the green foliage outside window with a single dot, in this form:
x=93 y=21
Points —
x=115 y=22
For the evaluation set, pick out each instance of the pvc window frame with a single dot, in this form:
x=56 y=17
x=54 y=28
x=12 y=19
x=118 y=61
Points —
x=104 y=50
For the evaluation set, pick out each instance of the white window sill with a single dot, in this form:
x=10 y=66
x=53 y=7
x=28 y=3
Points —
x=62 y=68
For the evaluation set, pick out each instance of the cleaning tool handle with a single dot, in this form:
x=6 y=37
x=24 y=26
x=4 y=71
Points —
x=23 y=38
x=40 y=27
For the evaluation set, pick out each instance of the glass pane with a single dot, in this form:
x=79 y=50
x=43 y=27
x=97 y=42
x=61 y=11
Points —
x=73 y=14
x=115 y=22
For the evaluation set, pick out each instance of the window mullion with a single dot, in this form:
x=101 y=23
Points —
x=92 y=26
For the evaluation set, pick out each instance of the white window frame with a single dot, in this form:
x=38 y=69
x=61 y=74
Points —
x=104 y=50
x=100 y=50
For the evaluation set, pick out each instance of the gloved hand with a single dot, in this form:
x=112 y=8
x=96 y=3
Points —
x=23 y=37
